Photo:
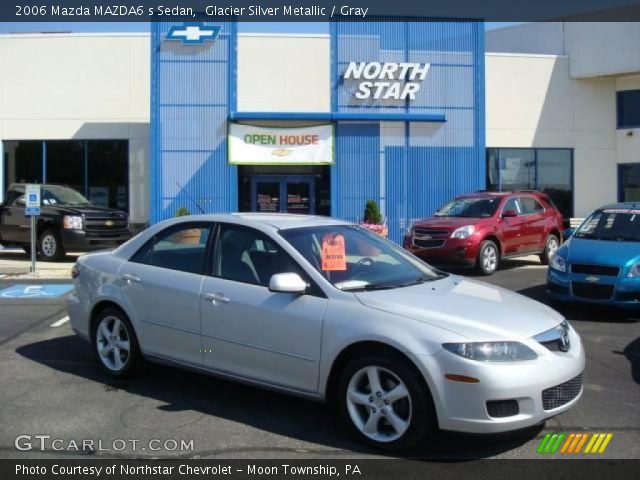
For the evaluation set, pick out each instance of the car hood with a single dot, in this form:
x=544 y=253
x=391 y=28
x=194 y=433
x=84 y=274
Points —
x=447 y=223
x=600 y=252
x=86 y=210
x=476 y=310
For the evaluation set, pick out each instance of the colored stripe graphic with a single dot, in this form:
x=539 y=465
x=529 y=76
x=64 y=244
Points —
x=572 y=443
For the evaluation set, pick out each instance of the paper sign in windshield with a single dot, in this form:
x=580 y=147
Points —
x=333 y=253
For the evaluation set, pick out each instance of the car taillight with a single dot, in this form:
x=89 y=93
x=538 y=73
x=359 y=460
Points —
x=75 y=271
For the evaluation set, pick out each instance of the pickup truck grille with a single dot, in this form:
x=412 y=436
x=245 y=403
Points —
x=106 y=224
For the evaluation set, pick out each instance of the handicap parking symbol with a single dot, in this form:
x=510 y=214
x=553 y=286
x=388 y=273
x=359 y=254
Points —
x=36 y=291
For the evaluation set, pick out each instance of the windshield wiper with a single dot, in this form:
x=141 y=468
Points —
x=369 y=287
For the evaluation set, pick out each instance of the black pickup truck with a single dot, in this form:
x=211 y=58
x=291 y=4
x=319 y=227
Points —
x=68 y=223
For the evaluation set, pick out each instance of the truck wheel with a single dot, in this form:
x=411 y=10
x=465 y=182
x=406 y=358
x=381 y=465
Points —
x=50 y=246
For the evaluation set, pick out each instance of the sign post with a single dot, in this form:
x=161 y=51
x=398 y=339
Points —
x=33 y=210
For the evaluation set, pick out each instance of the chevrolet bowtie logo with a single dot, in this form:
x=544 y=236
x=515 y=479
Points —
x=108 y=223
x=281 y=152
x=194 y=33
x=592 y=279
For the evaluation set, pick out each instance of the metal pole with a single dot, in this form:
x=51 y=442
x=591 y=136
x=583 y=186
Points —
x=33 y=244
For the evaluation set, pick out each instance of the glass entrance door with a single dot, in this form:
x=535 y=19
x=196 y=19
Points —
x=286 y=194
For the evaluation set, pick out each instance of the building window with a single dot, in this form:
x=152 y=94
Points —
x=628 y=102
x=99 y=169
x=545 y=169
x=629 y=178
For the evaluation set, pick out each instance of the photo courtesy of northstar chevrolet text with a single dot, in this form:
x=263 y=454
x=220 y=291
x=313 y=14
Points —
x=344 y=243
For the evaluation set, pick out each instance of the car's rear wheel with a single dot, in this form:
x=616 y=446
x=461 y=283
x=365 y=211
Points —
x=550 y=249
x=385 y=403
x=50 y=246
x=488 y=258
x=115 y=343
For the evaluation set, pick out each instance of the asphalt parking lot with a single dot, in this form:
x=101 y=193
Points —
x=52 y=385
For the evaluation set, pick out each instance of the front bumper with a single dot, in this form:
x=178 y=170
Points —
x=453 y=251
x=83 y=241
x=463 y=406
x=625 y=292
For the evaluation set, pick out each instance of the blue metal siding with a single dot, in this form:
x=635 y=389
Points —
x=424 y=164
x=190 y=96
x=356 y=179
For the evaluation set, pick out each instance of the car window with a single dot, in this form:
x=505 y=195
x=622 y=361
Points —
x=179 y=247
x=512 y=204
x=17 y=197
x=530 y=205
x=352 y=258
x=247 y=255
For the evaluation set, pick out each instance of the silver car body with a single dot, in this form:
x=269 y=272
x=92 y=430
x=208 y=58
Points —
x=290 y=342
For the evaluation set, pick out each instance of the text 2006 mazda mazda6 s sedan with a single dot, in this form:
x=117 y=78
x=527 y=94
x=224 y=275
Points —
x=325 y=309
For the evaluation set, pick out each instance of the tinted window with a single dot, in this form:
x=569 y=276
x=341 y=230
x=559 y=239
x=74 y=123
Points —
x=629 y=108
x=247 y=255
x=630 y=182
x=612 y=224
x=181 y=247
x=530 y=205
x=512 y=204
x=469 y=207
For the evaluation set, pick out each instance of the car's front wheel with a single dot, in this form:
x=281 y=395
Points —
x=115 y=343
x=488 y=258
x=50 y=246
x=385 y=402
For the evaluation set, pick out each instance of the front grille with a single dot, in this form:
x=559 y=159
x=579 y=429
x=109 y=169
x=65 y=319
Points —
x=428 y=243
x=604 y=270
x=592 y=291
x=560 y=289
x=105 y=224
x=562 y=394
x=433 y=233
x=502 y=408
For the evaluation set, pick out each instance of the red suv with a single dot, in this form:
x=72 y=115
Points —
x=480 y=229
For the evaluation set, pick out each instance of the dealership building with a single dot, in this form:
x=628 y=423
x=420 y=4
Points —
x=409 y=114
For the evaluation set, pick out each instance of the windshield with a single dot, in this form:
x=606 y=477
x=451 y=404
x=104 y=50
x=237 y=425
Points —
x=470 y=207
x=622 y=225
x=56 y=195
x=352 y=258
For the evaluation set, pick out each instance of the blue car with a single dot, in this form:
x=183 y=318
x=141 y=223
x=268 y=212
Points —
x=600 y=263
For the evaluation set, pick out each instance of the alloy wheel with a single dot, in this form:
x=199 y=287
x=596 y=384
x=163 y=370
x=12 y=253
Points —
x=489 y=259
x=113 y=343
x=552 y=247
x=49 y=245
x=379 y=404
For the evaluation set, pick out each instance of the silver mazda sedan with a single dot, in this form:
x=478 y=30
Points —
x=327 y=310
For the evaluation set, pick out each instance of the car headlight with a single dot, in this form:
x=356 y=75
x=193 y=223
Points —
x=409 y=231
x=492 y=351
x=634 y=271
x=72 y=223
x=558 y=263
x=463 y=232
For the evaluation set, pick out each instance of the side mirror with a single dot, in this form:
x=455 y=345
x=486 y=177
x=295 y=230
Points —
x=287 y=283
x=510 y=213
x=568 y=232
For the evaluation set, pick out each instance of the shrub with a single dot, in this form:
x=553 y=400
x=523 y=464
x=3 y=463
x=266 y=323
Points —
x=372 y=213
x=182 y=212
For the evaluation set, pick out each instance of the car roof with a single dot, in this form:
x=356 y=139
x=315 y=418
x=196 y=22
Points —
x=502 y=194
x=279 y=221
x=621 y=206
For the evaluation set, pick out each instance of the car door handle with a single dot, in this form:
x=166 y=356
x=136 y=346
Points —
x=216 y=297
x=127 y=277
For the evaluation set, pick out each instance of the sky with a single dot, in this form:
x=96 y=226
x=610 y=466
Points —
x=249 y=27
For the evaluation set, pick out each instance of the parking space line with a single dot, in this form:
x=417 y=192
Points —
x=62 y=321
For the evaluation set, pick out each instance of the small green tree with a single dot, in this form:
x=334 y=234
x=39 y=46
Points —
x=372 y=213
x=182 y=212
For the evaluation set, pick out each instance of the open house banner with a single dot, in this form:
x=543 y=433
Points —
x=253 y=145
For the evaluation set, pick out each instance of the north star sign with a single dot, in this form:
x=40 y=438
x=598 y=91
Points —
x=388 y=80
